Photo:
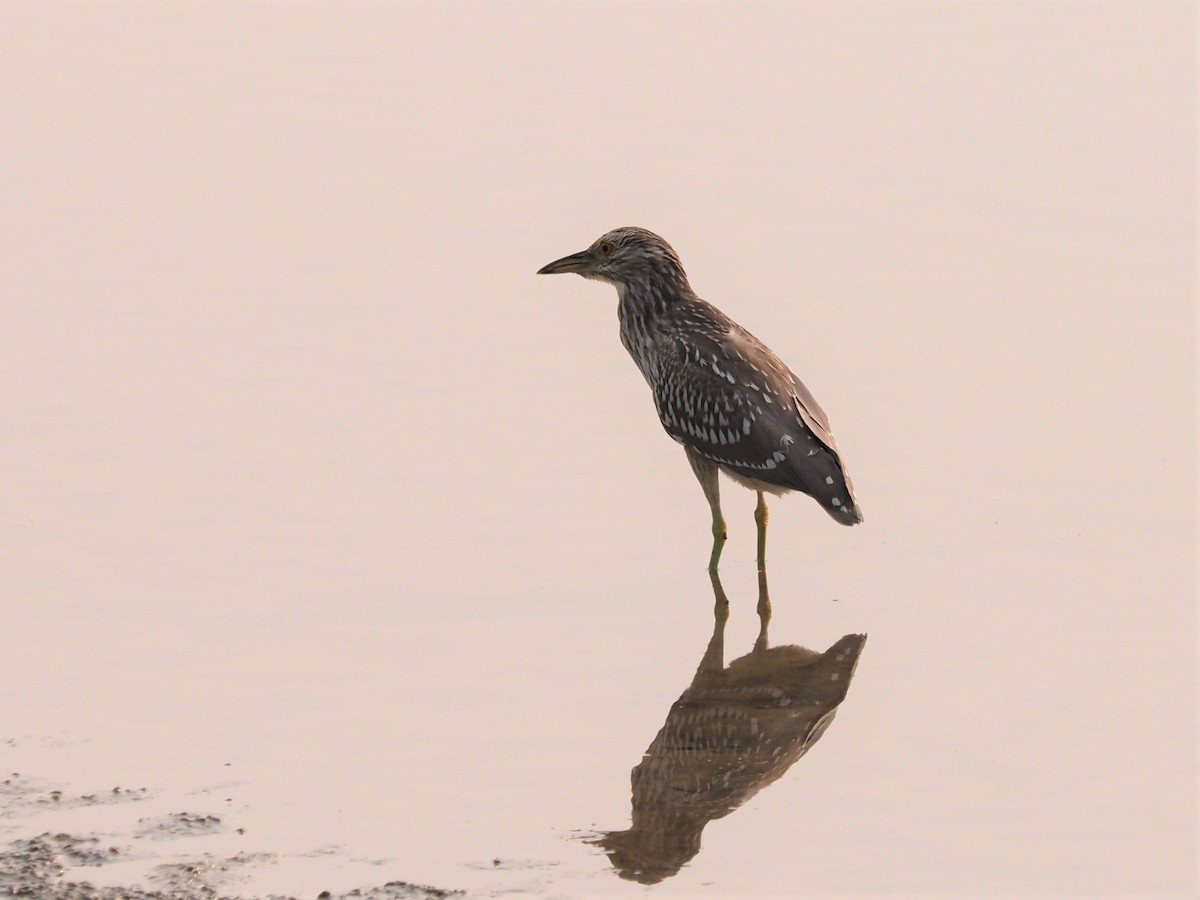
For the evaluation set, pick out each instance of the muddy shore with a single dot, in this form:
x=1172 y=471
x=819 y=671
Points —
x=56 y=865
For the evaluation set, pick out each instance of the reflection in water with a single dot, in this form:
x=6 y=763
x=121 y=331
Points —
x=734 y=731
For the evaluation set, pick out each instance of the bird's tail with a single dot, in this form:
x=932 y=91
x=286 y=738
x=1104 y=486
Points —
x=849 y=513
x=827 y=482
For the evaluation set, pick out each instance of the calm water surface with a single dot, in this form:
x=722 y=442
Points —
x=324 y=515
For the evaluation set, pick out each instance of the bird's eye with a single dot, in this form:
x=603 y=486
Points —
x=606 y=249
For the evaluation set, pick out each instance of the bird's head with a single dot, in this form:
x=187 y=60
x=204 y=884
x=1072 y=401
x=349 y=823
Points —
x=625 y=256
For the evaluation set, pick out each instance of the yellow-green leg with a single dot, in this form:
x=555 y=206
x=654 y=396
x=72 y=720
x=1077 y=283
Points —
x=719 y=537
x=760 y=518
x=706 y=474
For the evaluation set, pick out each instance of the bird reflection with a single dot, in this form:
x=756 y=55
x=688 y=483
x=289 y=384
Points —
x=735 y=730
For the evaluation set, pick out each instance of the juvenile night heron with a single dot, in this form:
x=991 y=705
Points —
x=719 y=391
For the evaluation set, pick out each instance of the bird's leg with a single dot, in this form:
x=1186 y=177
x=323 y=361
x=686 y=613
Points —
x=719 y=536
x=706 y=474
x=760 y=517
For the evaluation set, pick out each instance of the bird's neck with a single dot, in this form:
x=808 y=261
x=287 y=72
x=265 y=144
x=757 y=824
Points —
x=652 y=297
x=645 y=311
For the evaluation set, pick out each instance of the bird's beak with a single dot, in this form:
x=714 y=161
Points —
x=577 y=262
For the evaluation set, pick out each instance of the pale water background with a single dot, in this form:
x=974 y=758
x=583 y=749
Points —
x=322 y=514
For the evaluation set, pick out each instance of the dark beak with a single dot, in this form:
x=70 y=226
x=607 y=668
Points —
x=576 y=262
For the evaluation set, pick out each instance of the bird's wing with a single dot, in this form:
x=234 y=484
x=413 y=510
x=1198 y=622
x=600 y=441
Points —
x=731 y=400
x=742 y=345
x=732 y=411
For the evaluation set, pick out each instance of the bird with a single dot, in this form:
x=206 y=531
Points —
x=718 y=390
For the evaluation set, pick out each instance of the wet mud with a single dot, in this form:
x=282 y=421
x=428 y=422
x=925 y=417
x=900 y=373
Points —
x=49 y=865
